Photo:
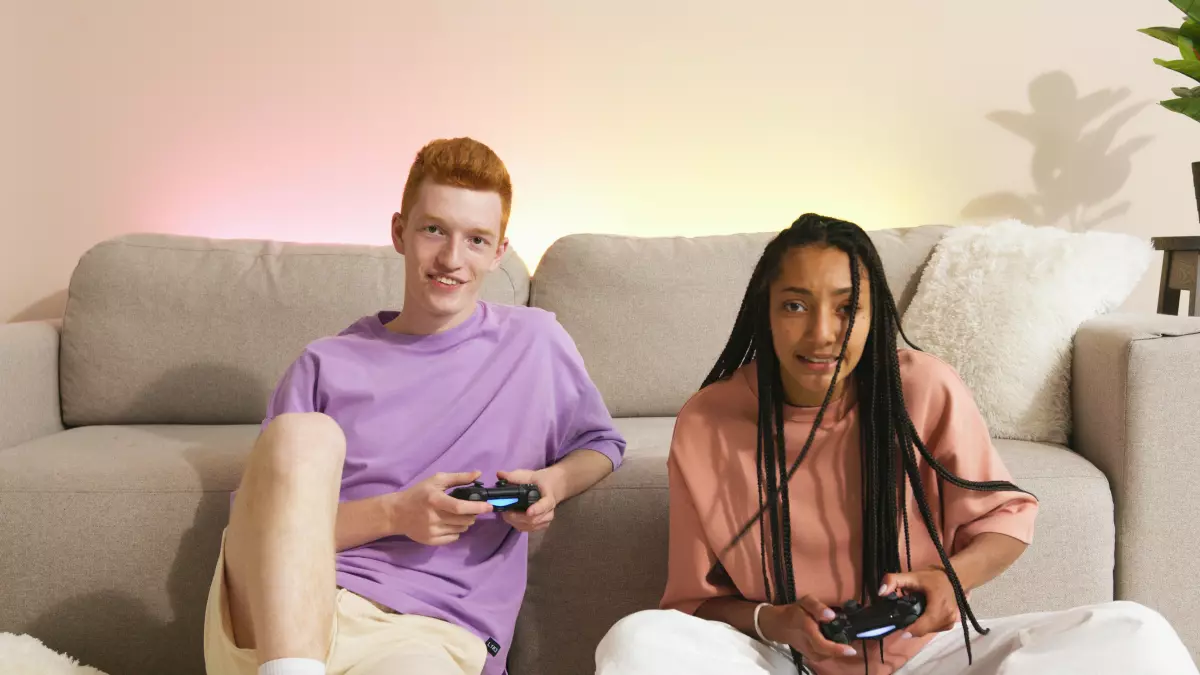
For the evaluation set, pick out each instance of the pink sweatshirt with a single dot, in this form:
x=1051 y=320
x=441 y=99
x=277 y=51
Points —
x=714 y=492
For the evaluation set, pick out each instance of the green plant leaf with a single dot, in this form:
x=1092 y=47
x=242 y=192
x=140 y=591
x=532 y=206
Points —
x=1189 y=68
x=1190 y=30
x=1187 y=49
x=1184 y=106
x=1167 y=35
x=1189 y=7
x=1186 y=92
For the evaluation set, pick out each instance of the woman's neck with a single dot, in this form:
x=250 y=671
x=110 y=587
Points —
x=805 y=398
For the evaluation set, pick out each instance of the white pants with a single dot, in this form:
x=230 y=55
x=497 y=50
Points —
x=1116 y=637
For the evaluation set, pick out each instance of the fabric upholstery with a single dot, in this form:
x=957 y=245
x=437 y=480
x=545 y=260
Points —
x=109 y=538
x=188 y=330
x=28 y=382
x=650 y=316
x=110 y=532
x=118 y=552
x=646 y=435
x=605 y=556
x=1137 y=413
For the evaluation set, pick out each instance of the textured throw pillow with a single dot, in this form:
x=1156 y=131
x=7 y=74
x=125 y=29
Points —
x=1001 y=304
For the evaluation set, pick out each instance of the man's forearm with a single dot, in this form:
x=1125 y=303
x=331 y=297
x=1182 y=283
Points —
x=363 y=521
x=577 y=472
x=985 y=558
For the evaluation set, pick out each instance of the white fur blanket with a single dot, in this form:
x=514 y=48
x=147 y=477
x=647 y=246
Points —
x=26 y=655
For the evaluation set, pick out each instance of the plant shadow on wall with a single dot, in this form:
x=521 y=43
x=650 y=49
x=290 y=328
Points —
x=1076 y=169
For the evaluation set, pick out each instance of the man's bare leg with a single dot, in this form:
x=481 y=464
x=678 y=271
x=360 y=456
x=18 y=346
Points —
x=279 y=545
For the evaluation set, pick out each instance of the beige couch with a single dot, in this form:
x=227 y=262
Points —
x=123 y=432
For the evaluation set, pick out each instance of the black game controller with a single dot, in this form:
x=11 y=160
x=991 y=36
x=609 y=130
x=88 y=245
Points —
x=881 y=618
x=502 y=497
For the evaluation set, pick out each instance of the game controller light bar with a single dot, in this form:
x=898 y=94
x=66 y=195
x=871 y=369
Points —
x=503 y=496
x=878 y=632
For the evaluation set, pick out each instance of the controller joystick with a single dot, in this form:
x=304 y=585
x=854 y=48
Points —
x=881 y=618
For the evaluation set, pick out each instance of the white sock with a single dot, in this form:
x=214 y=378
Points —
x=292 y=667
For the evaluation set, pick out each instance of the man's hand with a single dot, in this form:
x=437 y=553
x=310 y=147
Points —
x=426 y=514
x=941 y=607
x=796 y=625
x=538 y=516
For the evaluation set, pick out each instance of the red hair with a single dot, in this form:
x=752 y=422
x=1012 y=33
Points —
x=459 y=162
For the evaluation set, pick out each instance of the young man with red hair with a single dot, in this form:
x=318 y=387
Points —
x=344 y=552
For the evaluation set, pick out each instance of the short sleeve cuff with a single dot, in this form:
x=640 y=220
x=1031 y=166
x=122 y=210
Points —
x=610 y=449
x=1018 y=525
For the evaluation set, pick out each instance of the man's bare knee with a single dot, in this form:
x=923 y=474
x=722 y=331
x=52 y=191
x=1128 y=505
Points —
x=312 y=428
x=295 y=442
x=298 y=457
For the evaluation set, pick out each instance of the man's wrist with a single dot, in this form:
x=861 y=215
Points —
x=552 y=480
x=392 y=506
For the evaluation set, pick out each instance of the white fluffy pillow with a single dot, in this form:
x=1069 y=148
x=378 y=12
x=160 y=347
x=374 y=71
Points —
x=26 y=655
x=1001 y=304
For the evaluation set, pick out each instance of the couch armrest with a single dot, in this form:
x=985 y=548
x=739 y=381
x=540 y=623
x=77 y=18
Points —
x=29 y=403
x=1136 y=406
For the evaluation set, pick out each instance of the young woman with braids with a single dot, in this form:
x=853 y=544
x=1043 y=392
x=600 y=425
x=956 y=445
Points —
x=819 y=463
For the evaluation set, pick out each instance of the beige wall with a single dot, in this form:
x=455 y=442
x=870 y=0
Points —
x=298 y=121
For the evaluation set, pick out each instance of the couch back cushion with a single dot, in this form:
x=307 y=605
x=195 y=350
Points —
x=187 y=330
x=651 y=315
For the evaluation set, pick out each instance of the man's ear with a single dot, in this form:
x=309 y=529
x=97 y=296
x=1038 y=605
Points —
x=398 y=233
x=500 y=251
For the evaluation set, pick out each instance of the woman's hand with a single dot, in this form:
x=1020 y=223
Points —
x=941 y=607
x=797 y=625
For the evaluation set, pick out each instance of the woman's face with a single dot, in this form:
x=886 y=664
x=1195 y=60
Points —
x=810 y=311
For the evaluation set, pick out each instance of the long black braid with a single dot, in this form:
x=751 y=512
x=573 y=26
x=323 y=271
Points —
x=889 y=440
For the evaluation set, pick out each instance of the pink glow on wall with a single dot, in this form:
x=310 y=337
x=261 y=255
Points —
x=298 y=120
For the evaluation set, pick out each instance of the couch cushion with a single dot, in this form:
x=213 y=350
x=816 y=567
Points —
x=646 y=436
x=188 y=330
x=605 y=556
x=650 y=315
x=109 y=538
x=111 y=560
x=1071 y=560
x=149 y=458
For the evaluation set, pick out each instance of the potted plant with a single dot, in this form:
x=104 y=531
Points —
x=1184 y=38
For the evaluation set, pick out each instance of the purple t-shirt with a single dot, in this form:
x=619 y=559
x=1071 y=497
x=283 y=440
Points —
x=506 y=389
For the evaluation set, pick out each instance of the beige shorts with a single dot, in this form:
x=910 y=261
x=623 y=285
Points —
x=365 y=637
